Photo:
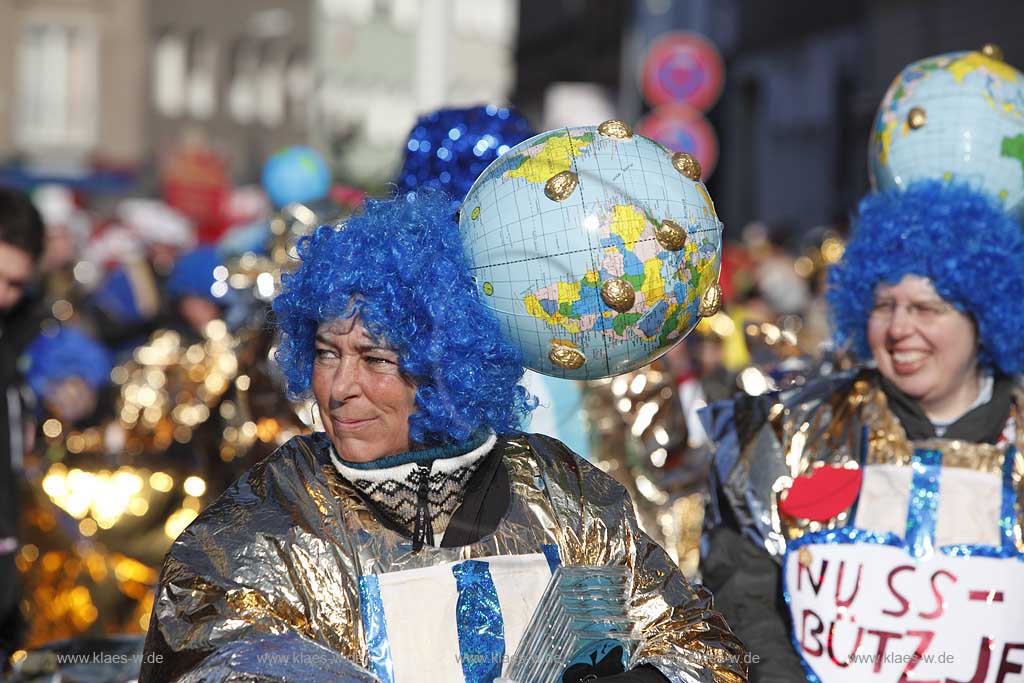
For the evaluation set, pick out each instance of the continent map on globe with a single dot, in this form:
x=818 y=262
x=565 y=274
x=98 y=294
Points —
x=957 y=115
x=608 y=270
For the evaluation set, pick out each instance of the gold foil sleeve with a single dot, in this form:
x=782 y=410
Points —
x=682 y=635
x=252 y=590
x=272 y=567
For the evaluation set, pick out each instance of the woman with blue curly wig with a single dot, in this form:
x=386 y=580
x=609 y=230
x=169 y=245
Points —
x=395 y=276
x=412 y=538
x=954 y=263
x=915 y=449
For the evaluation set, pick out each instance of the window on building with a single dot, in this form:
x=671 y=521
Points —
x=299 y=87
x=244 y=82
x=358 y=11
x=493 y=21
x=271 y=98
x=58 y=82
x=202 y=76
x=170 y=74
x=405 y=14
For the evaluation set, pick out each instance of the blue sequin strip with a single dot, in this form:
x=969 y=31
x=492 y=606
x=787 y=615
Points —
x=1008 y=516
x=478 y=617
x=376 y=628
x=550 y=551
x=924 y=502
x=976 y=550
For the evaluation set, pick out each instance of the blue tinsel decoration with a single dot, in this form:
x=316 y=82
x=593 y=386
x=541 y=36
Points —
x=449 y=148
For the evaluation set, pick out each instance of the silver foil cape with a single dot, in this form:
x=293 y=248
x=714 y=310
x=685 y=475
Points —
x=764 y=442
x=274 y=566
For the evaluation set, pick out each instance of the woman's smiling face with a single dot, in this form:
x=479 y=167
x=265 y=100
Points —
x=925 y=346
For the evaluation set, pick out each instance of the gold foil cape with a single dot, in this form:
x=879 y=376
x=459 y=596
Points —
x=640 y=438
x=274 y=565
x=841 y=420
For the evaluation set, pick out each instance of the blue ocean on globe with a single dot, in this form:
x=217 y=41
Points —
x=544 y=250
x=955 y=116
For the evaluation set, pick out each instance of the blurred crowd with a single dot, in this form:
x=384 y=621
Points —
x=149 y=383
x=137 y=372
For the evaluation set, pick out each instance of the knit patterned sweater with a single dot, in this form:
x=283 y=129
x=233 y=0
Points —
x=428 y=483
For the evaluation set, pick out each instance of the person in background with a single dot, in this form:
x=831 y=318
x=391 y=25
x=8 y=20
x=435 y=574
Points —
x=189 y=287
x=928 y=297
x=68 y=372
x=67 y=231
x=21 y=246
x=135 y=256
x=196 y=358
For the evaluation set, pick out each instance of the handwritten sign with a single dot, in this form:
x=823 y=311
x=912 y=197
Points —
x=871 y=612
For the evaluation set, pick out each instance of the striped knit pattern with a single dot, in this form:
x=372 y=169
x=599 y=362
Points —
x=395 y=489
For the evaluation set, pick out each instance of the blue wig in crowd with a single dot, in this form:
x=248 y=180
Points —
x=402 y=261
x=961 y=240
x=64 y=354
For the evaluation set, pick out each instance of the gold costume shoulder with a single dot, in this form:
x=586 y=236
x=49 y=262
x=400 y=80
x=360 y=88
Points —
x=275 y=563
x=842 y=421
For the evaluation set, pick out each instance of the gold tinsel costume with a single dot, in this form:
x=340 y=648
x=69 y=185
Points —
x=276 y=565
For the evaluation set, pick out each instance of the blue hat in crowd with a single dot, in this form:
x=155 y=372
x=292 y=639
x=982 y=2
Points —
x=65 y=353
x=192 y=274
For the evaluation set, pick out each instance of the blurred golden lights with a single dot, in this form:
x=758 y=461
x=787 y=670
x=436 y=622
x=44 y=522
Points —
x=194 y=486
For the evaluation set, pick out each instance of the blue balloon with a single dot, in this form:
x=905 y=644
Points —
x=296 y=174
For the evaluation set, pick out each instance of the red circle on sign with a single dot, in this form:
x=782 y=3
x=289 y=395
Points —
x=682 y=129
x=684 y=68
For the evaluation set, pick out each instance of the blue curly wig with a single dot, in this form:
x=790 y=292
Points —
x=403 y=260
x=961 y=240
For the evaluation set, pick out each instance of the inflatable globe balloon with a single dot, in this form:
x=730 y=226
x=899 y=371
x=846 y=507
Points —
x=296 y=174
x=955 y=116
x=597 y=249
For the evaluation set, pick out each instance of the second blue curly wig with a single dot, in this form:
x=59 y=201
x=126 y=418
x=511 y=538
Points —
x=403 y=260
x=961 y=240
